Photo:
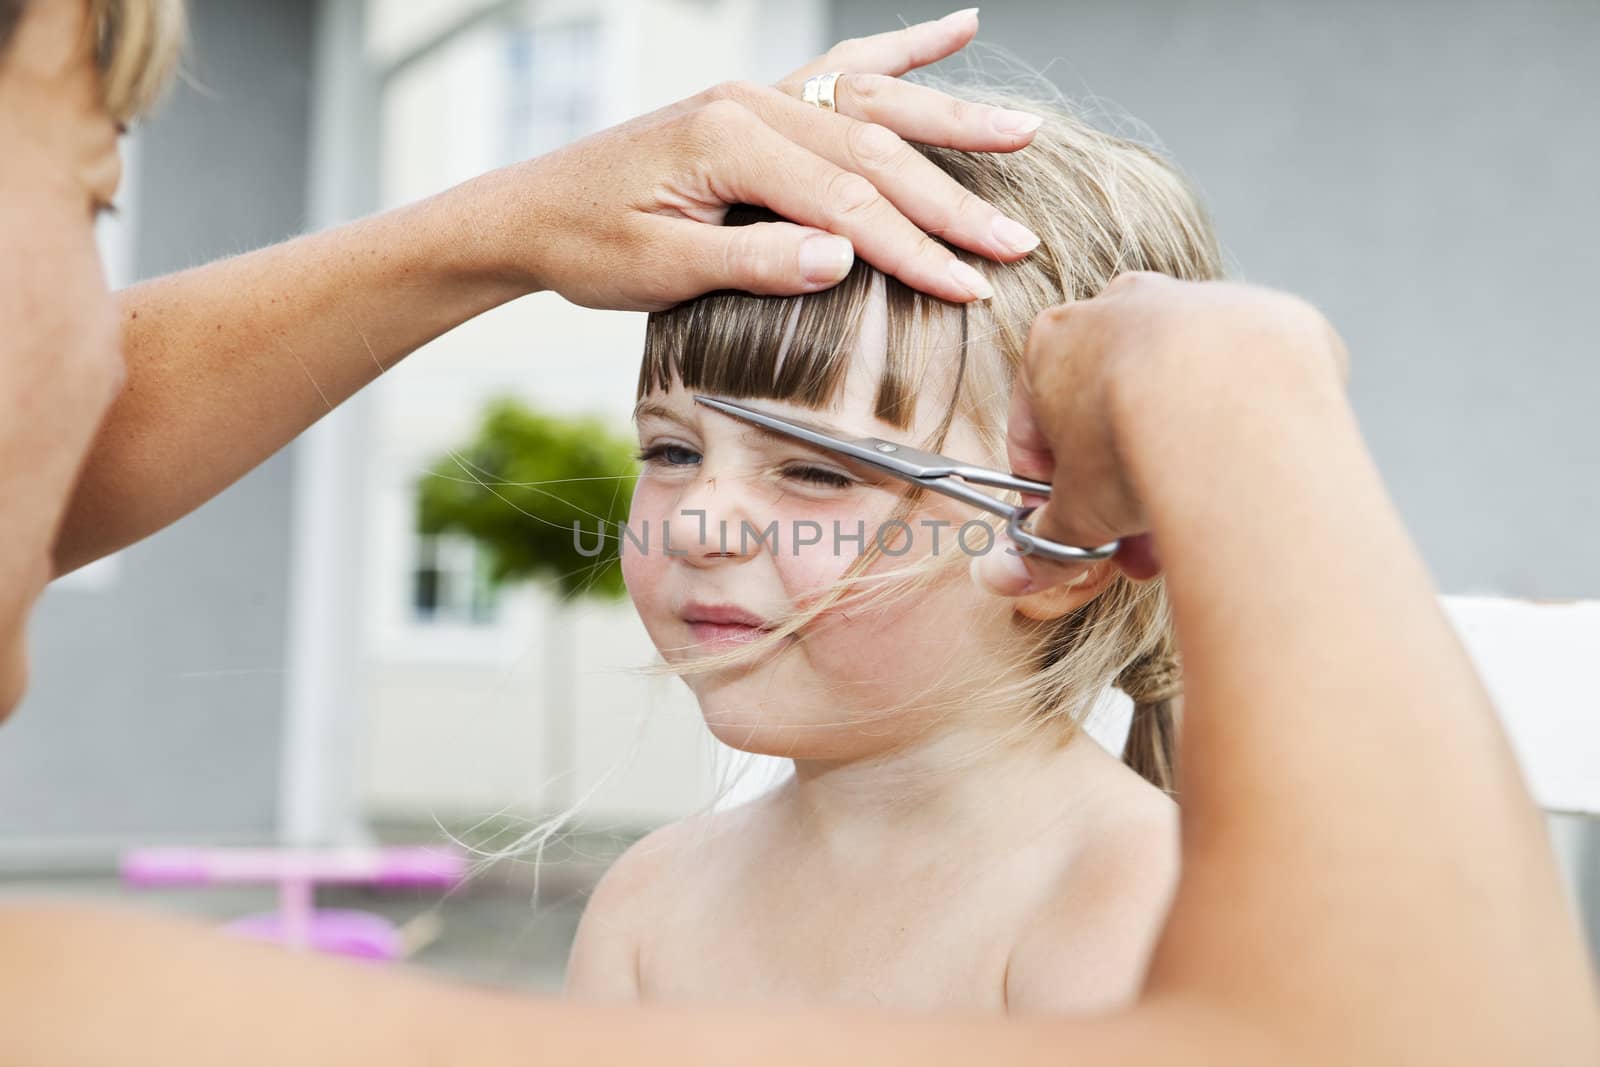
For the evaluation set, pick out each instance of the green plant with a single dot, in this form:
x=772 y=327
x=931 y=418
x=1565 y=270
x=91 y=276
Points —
x=519 y=487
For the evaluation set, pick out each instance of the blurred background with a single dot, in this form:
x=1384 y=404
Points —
x=304 y=661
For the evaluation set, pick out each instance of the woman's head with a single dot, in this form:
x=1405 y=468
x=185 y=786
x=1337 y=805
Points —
x=875 y=649
x=72 y=74
x=134 y=46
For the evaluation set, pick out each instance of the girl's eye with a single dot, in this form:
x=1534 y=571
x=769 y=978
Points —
x=821 y=476
x=672 y=455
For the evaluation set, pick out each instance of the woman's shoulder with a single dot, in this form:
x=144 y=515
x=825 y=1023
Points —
x=1087 y=947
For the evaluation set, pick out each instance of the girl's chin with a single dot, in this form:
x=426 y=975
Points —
x=786 y=742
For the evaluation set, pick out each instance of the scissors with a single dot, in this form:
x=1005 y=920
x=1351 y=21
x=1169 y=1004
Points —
x=931 y=471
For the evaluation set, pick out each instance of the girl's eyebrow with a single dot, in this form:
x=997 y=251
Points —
x=648 y=408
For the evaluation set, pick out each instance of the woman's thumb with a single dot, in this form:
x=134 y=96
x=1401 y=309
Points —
x=771 y=258
x=1005 y=571
x=1001 y=572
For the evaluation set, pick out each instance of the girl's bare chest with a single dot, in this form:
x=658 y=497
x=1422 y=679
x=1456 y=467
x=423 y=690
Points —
x=916 y=947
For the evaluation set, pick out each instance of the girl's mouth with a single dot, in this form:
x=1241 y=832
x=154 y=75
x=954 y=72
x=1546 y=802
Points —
x=723 y=624
x=725 y=633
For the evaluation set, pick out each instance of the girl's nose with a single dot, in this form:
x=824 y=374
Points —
x=712 y=524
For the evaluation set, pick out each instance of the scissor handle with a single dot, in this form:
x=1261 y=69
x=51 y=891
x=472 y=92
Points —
x=1031 y=544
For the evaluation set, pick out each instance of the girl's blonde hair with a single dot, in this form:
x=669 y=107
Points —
x=1101 y=205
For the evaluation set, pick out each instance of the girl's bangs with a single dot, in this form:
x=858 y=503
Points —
x=796 y=348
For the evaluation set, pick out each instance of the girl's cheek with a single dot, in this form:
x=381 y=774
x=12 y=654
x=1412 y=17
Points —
x=641 y=567
x=818 y=543
x=636 y=576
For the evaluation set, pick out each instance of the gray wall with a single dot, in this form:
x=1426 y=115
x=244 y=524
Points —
x=1426 y=173
x=156 y=705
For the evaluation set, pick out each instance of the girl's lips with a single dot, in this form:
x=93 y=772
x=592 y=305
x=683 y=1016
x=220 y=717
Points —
x=725 y=633
x=723 y=625
x=729 y=614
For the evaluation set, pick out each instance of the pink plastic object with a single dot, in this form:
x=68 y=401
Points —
x=297 y=872
x=342 y=933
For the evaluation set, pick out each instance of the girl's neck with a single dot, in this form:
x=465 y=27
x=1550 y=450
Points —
x=952 y=791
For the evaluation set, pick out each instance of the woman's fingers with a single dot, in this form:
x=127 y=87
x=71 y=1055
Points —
x=896 y=51
x=763 y=166
x=923 y=193
x=862 y=179
x=927 y=116
x=1028 y=450
x=1059 y=430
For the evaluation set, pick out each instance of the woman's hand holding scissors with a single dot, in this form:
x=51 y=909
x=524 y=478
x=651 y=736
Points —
x=1139 y=359
x=1365 y=878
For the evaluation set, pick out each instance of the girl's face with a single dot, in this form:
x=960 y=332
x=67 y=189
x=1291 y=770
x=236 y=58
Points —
x=856 y=680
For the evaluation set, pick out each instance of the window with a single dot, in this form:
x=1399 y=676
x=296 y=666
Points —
x=450 y=582
x=550 y=87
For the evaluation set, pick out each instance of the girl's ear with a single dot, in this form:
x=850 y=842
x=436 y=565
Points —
x=1050 y=604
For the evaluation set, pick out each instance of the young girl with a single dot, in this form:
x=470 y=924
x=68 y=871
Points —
x=950 y=838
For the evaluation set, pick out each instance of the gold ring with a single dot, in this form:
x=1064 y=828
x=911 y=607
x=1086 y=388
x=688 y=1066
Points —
x=818 y=90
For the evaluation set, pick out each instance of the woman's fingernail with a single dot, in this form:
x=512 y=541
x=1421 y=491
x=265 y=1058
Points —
x=826 y=258
x=960 y=16
x=1013 y=236
x=1002 y=572
x=1015 y=122
x=970 y=280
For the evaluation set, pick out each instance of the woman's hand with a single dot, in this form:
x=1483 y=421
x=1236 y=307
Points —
x=631 y=217
x=1097 y=369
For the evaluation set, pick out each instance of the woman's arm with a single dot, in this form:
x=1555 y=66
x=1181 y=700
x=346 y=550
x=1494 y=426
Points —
x=1364 y=878
x=1364 y=875
x=228 y=363
x=84 y=988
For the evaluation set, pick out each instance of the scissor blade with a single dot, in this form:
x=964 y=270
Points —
x=930 y=470
x=899 y=460
x=903 y=461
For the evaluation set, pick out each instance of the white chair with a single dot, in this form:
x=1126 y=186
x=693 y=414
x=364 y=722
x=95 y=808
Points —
x=1539 y=661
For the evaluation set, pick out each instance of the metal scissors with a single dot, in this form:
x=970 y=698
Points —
x=934 y=472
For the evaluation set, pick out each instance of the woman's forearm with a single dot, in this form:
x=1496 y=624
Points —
x=1358 y=843
x=87 y=987
x=229 y=362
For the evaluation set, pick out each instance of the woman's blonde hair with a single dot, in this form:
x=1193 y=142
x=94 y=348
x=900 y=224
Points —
x=137 y=46
x=1101 y=205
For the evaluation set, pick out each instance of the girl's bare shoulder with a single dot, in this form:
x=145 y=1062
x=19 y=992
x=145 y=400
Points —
x=644 y=885
x=1087 y=947
x=650 y=872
